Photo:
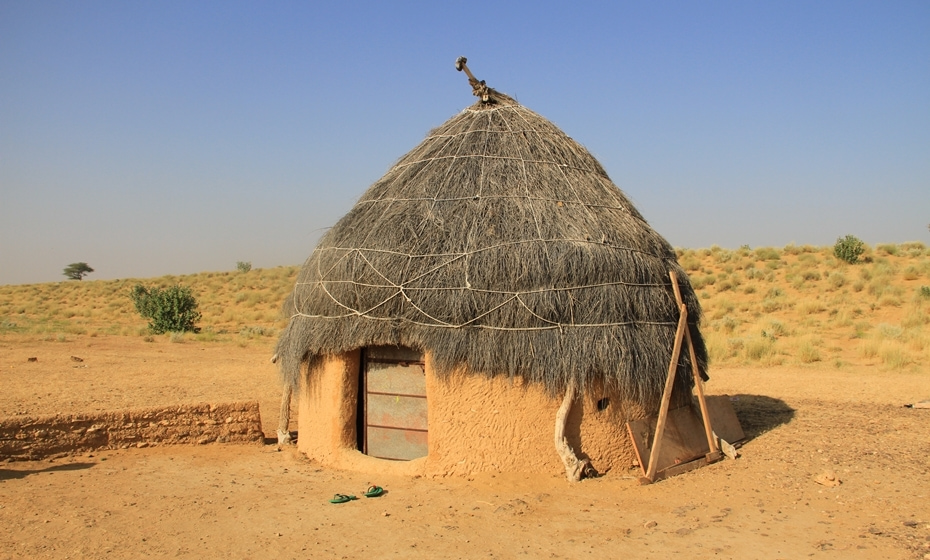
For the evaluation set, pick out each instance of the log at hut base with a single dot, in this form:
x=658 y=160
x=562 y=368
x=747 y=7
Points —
x=284 y=435
x=284 y=419
x=574 y=467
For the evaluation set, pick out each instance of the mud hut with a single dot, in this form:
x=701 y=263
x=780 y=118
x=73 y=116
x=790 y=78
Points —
x=493 y=285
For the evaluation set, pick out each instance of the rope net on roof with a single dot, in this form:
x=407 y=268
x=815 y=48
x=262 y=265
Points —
x=500 y=245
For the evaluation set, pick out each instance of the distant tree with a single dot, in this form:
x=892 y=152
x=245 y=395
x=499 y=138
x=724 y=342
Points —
x=77 y=271
x=242 y=266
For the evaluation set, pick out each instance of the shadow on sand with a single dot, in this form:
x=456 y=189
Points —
x=11 y=474
x=759 y=414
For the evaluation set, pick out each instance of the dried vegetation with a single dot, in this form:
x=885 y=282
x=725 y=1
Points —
x=767 y=320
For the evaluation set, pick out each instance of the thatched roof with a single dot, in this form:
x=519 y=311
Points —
x=501 y=245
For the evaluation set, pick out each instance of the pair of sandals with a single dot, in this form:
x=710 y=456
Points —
x=372 y=492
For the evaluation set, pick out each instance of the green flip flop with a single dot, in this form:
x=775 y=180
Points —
x=341 y=499
x=374 y=491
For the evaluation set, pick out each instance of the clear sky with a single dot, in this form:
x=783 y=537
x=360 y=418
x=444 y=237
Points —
x=152 y=138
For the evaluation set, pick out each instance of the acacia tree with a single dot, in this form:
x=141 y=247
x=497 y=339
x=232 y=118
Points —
x=77 y=271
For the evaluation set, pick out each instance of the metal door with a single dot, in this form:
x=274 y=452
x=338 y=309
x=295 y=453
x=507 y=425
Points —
x=393 y=403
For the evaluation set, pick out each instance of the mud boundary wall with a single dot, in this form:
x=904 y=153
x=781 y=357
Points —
x=32 y=438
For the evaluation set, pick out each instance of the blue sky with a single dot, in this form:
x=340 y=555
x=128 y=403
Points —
x=152 y=138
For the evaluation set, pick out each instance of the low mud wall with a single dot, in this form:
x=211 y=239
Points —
x=25 y=438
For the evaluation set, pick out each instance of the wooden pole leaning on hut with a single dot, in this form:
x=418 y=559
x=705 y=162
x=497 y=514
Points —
x=683 y=333
x=667 y=393
x=284 y=419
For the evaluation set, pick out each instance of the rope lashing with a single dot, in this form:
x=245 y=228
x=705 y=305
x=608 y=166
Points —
x=478 y=87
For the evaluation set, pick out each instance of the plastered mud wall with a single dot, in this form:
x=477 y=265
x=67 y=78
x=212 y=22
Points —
x=476 y=424
x=480 y=424
x=29 y=438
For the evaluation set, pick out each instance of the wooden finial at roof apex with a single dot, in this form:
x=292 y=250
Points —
x=478 y=88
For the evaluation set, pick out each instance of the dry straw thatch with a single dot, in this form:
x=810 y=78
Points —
x=500 y=245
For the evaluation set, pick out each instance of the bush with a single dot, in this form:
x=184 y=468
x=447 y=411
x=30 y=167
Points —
x=767 y=254
x=172 y=309
x=243 y=266
x=889 y=249
x=837 y=280
x=849 y=249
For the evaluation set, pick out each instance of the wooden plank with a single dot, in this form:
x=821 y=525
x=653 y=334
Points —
x=726 y=424
x=683 y=440
x=393 y=353
x=681 y=469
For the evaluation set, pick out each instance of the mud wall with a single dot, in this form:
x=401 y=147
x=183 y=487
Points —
x=480 y=424
x=476 y=424
x=27 y=438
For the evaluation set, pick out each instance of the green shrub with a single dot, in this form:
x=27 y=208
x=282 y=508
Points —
x=849 y=249
x=243 y=266
x=171 y=309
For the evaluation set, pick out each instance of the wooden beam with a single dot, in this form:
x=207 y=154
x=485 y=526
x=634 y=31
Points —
x=667 y=393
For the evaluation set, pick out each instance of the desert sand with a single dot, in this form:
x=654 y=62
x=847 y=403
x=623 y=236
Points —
x=262 y=501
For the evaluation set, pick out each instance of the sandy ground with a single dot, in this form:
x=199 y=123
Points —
x=238 y=501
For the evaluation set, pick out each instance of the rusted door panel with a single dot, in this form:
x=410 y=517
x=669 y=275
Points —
x=395 y=408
